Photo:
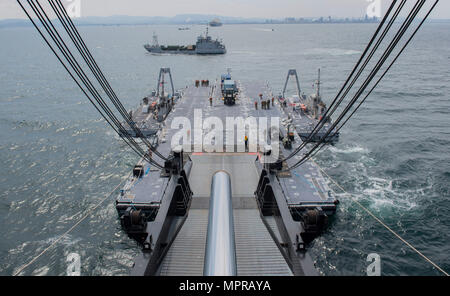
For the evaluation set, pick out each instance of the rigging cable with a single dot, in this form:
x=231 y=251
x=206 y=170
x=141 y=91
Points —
x=69 y=57
x=379 y=80
x=326 y=115
x=93 y=66
x=363 y=67
x=110 y=118
x=384 y=57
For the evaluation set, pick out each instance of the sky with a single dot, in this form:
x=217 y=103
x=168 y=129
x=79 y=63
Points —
x=239 y=8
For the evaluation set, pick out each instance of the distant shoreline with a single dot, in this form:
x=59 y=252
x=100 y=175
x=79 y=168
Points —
x=128 y=21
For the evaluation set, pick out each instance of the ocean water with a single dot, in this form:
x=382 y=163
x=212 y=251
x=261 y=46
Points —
x=59 y=159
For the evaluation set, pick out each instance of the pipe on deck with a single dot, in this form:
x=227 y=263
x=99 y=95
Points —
x=220 y=254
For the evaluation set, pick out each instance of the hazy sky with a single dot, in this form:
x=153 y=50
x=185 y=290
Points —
x=241 y=8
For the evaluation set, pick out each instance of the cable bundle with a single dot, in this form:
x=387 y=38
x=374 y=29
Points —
x=362 y=63
x=73 y=67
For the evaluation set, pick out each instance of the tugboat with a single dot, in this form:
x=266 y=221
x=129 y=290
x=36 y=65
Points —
x=205 y=45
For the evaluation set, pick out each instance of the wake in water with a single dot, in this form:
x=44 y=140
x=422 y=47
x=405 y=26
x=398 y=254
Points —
x=364 y=180
x=331 y=52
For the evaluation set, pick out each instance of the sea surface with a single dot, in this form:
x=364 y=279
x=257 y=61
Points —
x=59 y=159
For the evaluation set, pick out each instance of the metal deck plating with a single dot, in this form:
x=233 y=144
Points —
x=273 y=212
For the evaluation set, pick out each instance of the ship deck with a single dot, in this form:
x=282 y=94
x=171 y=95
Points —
x=302 y=187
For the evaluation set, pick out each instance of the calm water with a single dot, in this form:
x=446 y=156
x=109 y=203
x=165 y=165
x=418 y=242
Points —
x=58 y=158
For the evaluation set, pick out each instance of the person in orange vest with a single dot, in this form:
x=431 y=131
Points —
x=150 y=153
x=246 y=143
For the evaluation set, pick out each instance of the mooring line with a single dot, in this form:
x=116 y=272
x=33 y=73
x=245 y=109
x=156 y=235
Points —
x=381 y=222
x=70 y=229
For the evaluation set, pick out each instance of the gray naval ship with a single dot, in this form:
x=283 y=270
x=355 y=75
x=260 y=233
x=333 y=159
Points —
x=153 y=109
x=307 y=111
x=205 y=46
x=225 y=212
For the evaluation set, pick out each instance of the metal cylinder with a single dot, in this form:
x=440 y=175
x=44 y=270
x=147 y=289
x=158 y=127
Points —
x=220 y=254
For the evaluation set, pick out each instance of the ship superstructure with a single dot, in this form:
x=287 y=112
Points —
x=205 y=45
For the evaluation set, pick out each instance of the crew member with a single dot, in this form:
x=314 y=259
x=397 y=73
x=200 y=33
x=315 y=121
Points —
x=150 y=152
x=246 y=143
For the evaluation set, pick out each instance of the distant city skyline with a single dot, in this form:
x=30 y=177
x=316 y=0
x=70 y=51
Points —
x=269 y=9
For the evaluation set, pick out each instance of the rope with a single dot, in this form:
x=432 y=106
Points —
x=68 y=231
x=381 y=222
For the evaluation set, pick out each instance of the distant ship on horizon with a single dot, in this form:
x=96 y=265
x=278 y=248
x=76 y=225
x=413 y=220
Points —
x=215 y=23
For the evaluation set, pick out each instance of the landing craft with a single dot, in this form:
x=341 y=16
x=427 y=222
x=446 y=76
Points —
x=174 y=217
x=205 y=46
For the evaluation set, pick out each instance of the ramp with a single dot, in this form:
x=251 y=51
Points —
x=186 y=255
x=256 y=252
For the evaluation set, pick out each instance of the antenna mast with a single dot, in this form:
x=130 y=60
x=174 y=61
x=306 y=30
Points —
x=318 y=84
x=155 y=40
